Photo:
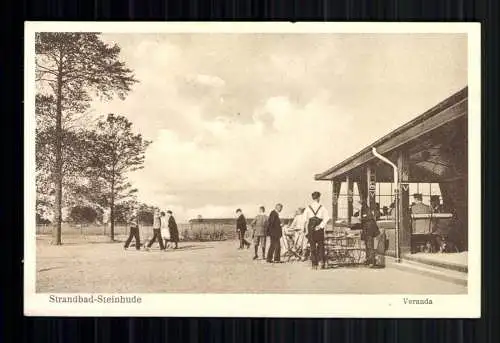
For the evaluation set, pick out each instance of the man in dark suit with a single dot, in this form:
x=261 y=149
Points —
x=241 y=228
x=274 y=231
x=369 y=231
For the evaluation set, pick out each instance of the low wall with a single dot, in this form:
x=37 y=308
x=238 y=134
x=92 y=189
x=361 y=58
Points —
x=186 y=231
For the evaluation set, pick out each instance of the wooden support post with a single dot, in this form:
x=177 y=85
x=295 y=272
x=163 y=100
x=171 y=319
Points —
x=371 y=188
x=350 y=198
x=362 y=188
x=404 y=203
x=335 y=201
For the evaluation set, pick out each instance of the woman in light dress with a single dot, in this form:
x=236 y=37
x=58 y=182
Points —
x=294 y=234
x=165 y=232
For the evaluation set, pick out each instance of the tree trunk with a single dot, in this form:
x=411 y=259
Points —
x=112 y=212
x=58 y=174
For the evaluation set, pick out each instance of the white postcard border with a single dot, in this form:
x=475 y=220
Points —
x=264 y=305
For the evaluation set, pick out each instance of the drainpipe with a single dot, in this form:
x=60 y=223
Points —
x=396 y=200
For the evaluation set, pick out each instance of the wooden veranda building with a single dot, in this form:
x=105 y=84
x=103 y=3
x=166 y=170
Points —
x=432 y=148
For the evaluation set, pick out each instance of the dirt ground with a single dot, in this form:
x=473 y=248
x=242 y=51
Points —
x=97 y=266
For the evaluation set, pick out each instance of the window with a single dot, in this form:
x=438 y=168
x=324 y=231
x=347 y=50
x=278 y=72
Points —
x=384 y=196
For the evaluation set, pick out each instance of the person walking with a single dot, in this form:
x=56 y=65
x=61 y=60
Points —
x=259 y=232
x=241 y=228
x=274 y=232
x=165 y=232
x=298 y=226
x=173 y=229
x=156 y=231
x=134 y=231
x=316 y=219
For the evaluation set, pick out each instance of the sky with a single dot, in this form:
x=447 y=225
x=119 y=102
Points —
x=243 y=120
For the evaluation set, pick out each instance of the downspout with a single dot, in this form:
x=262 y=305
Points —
x=396 y=200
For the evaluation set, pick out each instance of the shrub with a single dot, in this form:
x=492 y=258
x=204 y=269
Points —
x=186 y=236
x=145 y=217
x=83 y=214
x=198 y=235
x=41 y=221
x=216 y=235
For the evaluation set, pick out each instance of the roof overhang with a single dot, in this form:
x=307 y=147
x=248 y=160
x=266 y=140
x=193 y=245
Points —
x=451 y=109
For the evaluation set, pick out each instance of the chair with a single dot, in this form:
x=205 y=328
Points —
x=293 y=244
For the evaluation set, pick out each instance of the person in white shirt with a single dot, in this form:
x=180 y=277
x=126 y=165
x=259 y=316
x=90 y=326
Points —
x=292 y=232
x=298 y=229
x=316 y=217
x=156 y=231
x=165 y=232
x=299 y=221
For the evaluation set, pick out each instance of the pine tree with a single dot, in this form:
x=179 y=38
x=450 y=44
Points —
x=69 y=68
x=116 y=152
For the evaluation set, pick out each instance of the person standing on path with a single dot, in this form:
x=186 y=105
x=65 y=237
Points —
x=156 y=231
x=316 y=219
x=241 y=228
x=259 y=232
x=172 y=229
x=369 y=232
x=134 y=231
x=275 y=232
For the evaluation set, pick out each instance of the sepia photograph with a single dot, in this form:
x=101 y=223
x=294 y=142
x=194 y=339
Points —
x=252 y=169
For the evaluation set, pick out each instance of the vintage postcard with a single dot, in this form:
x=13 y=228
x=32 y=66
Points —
x=252 y=169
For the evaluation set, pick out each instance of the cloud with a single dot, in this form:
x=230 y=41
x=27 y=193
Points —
x=206 y=80
x=243 y=120
x=241 y=156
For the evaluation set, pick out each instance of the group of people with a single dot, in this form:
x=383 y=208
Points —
x=165 y=231
x=309 y=223
x=416 y=207
x=444 y=235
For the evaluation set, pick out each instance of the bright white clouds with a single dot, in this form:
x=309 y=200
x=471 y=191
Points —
x=238 y=119
x=206 y=80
